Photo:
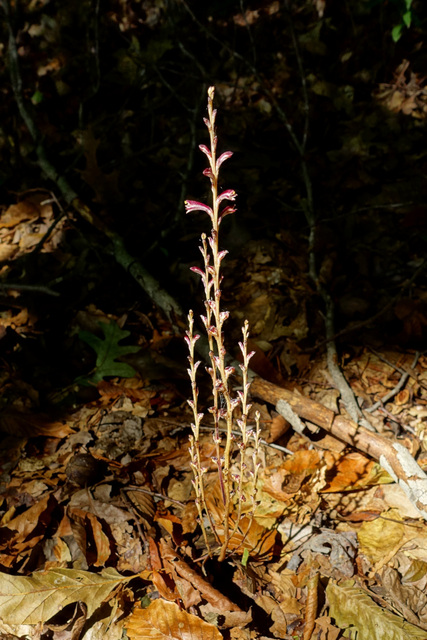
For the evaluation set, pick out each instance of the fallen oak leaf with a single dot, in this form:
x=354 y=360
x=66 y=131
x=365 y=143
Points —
x=108 y=351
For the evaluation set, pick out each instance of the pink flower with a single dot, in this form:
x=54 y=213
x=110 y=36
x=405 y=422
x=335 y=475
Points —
x=193 y=205
x=224 y=156
x=206 y=151
x=229 y=194
x=198 y=271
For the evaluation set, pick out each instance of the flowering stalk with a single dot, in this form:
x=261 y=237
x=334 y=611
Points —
x=224 y=404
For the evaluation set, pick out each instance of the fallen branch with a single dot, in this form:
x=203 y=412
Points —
x=392 y=456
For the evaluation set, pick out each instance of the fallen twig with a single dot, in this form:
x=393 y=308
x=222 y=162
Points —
x=392 y=456
x=396 y=389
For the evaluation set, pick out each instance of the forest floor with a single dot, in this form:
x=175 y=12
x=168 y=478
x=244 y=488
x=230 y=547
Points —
x=99 y=533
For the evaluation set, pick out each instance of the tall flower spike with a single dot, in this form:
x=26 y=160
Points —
x=220 y=373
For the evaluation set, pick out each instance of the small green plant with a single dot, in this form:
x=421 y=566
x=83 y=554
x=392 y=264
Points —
x=107 y=351
x=225 y=407
x=407 y=16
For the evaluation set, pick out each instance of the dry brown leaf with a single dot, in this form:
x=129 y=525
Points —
x=353 y=471
x=278 y=427
x=17 y=213
x=7 y=251
x=164 y=621
x=325 y=630
x=72 y=628
x=164 y=590
x=212 y=595
x=29 y=425
x=410 y=601
x=19 y=535
x=102 y=543
x=381 y=539
x=250 y=535
x=311 y=606
x=303 y=461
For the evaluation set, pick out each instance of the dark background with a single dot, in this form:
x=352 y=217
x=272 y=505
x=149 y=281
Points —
x=117 y=91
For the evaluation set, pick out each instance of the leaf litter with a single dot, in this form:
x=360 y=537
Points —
x=98 y=523
x=104 y=517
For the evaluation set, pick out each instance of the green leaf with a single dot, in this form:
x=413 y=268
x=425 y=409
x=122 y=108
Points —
x=245 y=557
x=37 y=97
x=36 y=598
x=107 y=351
x=396 y=32
x=407 y=18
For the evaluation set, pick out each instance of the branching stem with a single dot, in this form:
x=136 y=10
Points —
x=224 y=404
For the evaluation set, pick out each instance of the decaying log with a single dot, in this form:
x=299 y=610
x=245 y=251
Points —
x=392 y=456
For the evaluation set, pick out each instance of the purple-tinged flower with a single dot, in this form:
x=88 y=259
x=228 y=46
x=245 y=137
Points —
x=224 y=156
x=222 y=254
x=193 y=205
x=228 y=194
x=206 y=150
x=191 y=341
x=199 y=272
x=211 y=304
x=208 y=172
x=223 y=316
